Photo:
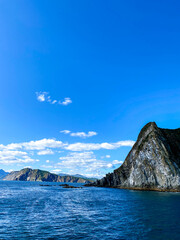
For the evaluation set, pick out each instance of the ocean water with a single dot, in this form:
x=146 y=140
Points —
x=30 y=211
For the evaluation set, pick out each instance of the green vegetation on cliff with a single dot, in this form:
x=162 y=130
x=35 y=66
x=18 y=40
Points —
x=28 y=174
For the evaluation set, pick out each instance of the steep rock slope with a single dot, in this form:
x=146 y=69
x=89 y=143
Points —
x=152 y=164
x=28 y=174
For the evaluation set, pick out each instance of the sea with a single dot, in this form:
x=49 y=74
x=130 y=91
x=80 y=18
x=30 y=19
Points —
x=31 y=211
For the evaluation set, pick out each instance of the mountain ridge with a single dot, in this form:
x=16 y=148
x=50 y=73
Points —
x=28 y=174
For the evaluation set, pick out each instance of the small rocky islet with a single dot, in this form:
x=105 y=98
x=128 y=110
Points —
x=61 y=185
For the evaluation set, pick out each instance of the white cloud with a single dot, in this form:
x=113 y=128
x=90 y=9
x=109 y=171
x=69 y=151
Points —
x=79 y=134
x=10 y=170
x=66 y=101
x=85 y=163
x=42 y=144
x=12 y=157
x=83 y=134
x=47 y=143
x=46 y=166
x=80 y=159
x=109 y=165
x=77 y=158
x=35 y=145
x=97 y=146
x=56 y=171
x=117 y=162
x=45 y=97
x=45 y=152
x=41 y=96
x=65 y=131
x=12 y=153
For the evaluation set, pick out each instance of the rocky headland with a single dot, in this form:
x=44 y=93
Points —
x=152 y=164
x=28 y=174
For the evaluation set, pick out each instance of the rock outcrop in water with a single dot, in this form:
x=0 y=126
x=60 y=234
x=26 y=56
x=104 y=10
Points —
x=152 y=164
x=28 y=174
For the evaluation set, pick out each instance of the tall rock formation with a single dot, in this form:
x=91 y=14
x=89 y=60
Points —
x=152 y=164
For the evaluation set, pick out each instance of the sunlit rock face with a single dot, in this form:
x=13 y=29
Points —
x=28 y=174
x=152 y=164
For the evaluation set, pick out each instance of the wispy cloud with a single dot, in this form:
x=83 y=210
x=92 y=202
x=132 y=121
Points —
x=107 y=156
x=56 y=171
x=65 y=131
x=35 y=145
x=45 y=152
x=79 y=134
x=117 y=162
x=66 y=101
x=14 y=157
x=45 y=97
x=85 y=163
x=41 y=96
x=80 y=158
x=97 y=146
x=48 y=143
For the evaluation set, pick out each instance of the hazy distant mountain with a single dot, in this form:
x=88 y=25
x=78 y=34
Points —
x=63 y=174
x=81 y=176
x=78 y=176
x=28 y=174
x=3 y=173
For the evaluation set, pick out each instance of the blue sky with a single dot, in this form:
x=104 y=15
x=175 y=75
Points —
x=112 y=66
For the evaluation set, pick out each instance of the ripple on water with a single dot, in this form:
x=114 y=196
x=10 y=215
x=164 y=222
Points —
x=30 y=211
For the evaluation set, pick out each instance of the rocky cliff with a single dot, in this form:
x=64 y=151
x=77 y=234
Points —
x=28 y=174
x=152 y=164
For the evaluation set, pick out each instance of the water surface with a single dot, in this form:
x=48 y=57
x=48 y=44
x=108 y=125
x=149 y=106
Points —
x=30 y=211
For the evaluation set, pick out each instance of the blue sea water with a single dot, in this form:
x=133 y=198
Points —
x=31 y=211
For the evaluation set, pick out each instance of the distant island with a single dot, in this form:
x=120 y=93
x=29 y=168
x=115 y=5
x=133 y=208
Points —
x=152 y=164
x=28 y=174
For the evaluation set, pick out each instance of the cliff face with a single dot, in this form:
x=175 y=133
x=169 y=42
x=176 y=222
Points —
x=29 y=174
x=152 y=164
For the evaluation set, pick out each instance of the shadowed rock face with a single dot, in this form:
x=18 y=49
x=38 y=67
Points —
x=28 y=174
x=152 y=164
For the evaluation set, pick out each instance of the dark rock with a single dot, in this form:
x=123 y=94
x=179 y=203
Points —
x=45 y=185
x=71 y=187
x=152 y=164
